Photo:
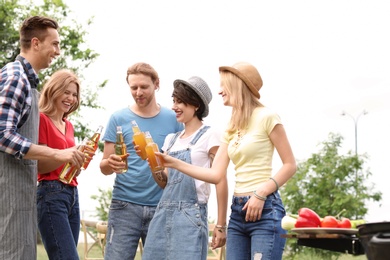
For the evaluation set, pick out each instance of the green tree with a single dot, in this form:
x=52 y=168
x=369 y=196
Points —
x=75 y=53
x=104 y=199
x=329 y=182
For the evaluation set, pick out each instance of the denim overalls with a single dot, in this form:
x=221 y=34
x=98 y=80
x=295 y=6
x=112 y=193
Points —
x=179 y=228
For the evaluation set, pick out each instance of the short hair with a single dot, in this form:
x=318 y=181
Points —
x=54 y=88
x=145 y=69
x=35 y=26
x=188 y=96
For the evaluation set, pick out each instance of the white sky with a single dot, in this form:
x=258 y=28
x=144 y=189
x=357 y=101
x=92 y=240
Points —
x=317 y=58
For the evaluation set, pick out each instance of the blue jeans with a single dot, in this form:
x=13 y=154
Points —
x=127 y=223
x=58 y=219
x=256 y=240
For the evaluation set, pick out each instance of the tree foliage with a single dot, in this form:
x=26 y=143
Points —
x=75 y=54
x=329 y=182
x=104 y=199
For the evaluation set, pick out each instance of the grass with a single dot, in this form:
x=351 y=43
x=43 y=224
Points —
x=96 y=252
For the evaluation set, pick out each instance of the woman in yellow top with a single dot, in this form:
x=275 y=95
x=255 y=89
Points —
x=254 y=229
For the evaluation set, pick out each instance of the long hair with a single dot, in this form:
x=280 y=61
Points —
x=35 y=26
x=54 y=88
x=242 y=100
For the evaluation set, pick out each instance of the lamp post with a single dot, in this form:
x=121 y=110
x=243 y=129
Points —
x=355 y=121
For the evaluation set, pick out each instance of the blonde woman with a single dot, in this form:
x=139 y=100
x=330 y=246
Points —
x=254 y=230
x=57 y=202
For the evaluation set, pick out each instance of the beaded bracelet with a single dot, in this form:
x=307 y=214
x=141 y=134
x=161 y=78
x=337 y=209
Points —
x=276 y=183
x=259 y=197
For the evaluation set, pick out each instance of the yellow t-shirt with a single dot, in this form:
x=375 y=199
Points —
x=252 y=152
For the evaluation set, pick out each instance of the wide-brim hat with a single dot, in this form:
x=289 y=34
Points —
x=247 y=73
x=201 y=88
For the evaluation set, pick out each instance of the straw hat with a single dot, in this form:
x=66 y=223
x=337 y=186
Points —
x=247 y=73
x=201 y=88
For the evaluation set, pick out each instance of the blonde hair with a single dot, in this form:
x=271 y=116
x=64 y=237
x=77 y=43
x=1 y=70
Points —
x=242 y=100
x=54 y=88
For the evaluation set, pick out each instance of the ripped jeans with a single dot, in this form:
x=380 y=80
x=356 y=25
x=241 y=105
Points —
x=259 y=240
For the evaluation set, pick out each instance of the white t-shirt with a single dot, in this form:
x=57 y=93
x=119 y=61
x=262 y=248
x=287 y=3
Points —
x=199 y=155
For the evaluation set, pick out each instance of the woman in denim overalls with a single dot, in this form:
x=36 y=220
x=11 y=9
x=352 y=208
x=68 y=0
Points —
x=179 y=229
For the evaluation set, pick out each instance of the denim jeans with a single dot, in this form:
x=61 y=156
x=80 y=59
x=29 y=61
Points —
x=127 y=223
x=58 y=219
x=259 y=240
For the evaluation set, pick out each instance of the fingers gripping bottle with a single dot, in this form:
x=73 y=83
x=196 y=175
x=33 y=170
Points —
x=68 y=172
x=139 y=139
x=120 y=147
x=155 y=161
x=93 y=142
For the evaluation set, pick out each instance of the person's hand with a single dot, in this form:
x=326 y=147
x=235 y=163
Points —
x=137 y=150
x=78 y=173
x=72 y=155
x=117 y=163
x=89 y=152
x=254 y=208
x=169 y=161
x=219 y=238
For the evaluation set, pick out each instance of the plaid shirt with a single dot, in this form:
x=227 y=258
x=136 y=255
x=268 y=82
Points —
x=15 y=100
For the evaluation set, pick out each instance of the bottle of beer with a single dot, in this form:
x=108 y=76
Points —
x=68 y=172
x=93 y=142
x=155 y=162
x=139 y=139
x=120 y=147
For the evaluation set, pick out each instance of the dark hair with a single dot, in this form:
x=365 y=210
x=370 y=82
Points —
x=35 y=26
x=145 y=69
x=188 y=96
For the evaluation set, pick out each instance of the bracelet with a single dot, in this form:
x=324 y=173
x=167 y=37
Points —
x=259 y=197
x=277 y=185
x=221 y=228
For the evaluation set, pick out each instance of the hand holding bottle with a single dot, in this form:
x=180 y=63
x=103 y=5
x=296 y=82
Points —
x=70 y=170
x=117 y=162
x=91 y=146
x=88 y=148
x=156 y=162
x=139 y=139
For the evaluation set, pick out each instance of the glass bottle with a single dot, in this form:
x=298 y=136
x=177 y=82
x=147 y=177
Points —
x=93 y=142
x=155 y=161
x=120 y=147
x=139 y=139
x=68 y=172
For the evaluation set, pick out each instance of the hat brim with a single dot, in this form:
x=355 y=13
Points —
x=206 y=104
x=238 y=73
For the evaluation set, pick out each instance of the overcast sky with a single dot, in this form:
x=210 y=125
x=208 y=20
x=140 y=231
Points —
x=317 y=59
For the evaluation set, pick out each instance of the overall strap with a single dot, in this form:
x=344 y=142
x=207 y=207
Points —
x=173 y=140
x=198 y=135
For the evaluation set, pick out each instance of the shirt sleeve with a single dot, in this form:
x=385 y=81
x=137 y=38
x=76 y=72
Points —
x=214 y=139
x=14 y=102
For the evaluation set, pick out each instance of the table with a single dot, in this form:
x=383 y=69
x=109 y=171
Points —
x=334 y=242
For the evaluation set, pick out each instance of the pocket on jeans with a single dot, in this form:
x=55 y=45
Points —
x=118 y=205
